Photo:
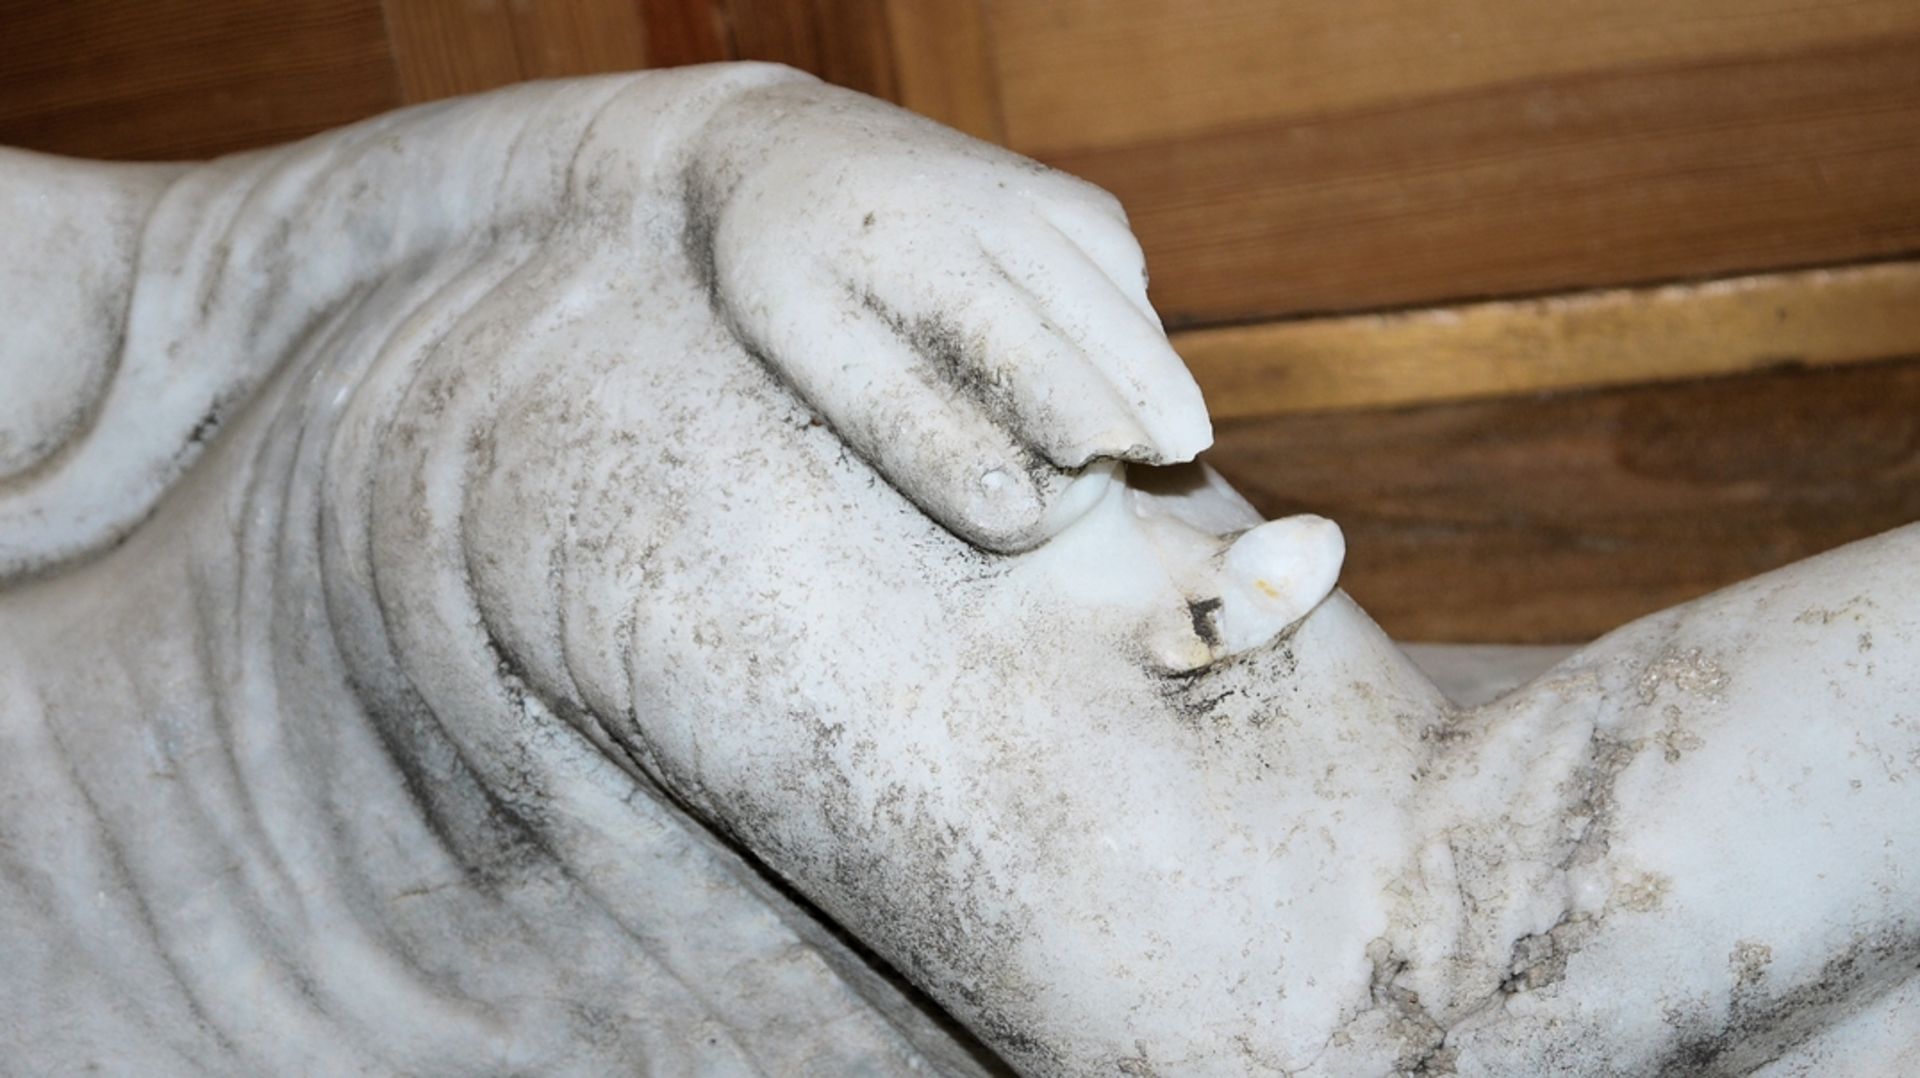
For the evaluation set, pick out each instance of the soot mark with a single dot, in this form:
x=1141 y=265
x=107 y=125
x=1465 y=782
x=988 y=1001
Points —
x=697 y=235
x=1204 y=614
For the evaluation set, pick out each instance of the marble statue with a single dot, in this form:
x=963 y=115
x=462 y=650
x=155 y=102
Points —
x=701 y=572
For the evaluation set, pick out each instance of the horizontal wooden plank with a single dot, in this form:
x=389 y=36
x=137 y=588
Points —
x=1585 y=340
x=187 y=78
x=1556 y=519
x=1591 y=181
x=1087 y=74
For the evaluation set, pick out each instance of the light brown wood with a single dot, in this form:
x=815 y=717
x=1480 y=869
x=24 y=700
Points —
x=1082 y=74
x=943 y=63
x=186 y=78
x=1610 y=179
x=1283 y=160
x=1503 y=348
x=1557 y=519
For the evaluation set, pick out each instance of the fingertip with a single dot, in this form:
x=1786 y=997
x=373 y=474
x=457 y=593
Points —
x=1081 y=493
x=1118 y=334
x=1173 y=411
x=1000 y=508
x=1021 y=509
x=1274 y=575
x=1185 y=436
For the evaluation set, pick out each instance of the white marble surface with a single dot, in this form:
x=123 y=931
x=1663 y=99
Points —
x=586 y=578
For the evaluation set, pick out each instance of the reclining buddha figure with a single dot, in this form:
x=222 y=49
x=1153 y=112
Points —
x=702 y=572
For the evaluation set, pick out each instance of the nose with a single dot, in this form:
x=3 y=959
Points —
x=1178 y=554
x=1272 y=576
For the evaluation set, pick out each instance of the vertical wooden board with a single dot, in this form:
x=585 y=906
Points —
x=943 y=62
x=777 y=31
x=579 y=37
x=187 y=78
x=685 y=32
x=449 y=47
x=1079 y=74
x=845 y=42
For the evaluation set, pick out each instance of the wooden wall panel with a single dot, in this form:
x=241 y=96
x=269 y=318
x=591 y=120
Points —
x=450 y=47
x=1519 y=347
x=580 y=37
x=1290 y=164
x=934 y=58
x=944 y=64
x=846 y=42
x=187 y=78
x=1554 y=520
x=1086 y=74
x=1593 y=180
x=685 y=32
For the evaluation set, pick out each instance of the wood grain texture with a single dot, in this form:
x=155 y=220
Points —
x=187 y=78
x=1285 y=159
x=449 y=47
x=1594 y=181
x=578 y=37
x=846 y=42
x=1085 y=74
x=685 y=32
x=1585 y=340
x=1554 y=520
x=944 y=66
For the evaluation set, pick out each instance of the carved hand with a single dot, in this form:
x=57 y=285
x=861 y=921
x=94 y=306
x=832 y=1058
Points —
x=973 y=323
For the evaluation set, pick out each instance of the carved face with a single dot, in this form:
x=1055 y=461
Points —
x=918 y=733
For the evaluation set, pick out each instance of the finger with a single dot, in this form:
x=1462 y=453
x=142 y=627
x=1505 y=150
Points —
x=932 y=441
x=983 y=334
x=1099 y=228
x=1126 y=345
